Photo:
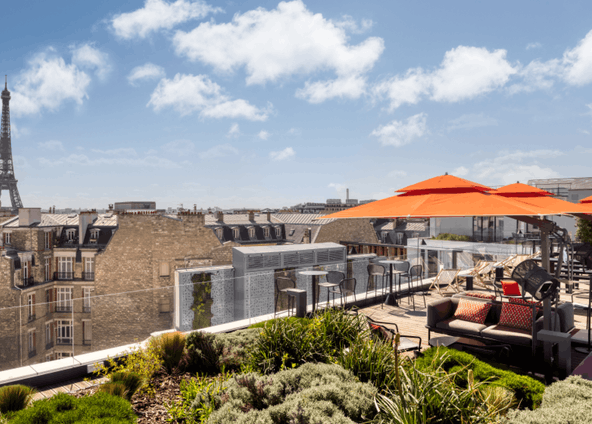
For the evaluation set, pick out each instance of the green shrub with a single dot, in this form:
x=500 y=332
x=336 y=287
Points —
x=287 y=344
x=567 y=401
x=99 y=408
x=264 y=324
x=237 y=347
x=341 y=328
x=115 y=389
x=433 y=397
x=312 y=393
x=371 y=360
x=453 y=237
x=528 y=391
x=584 y=231
x=130 y=380
x=14 y=398
x=170 y=347
x=202 y=354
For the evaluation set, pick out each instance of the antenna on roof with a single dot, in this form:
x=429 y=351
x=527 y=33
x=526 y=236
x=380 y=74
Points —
x=6 y=82
x=446 y=173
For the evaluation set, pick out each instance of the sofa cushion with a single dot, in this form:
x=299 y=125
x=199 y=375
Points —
x=472 y=310
x=516 y=316
x=511 y=288
x=479 y=295
x=466 y=327
x=509 y=335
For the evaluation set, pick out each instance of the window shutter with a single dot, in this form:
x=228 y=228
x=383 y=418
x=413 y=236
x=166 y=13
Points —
x=33 y=303
x=34 y=340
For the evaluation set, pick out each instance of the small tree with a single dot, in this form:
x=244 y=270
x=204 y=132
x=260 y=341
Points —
x=584 y=232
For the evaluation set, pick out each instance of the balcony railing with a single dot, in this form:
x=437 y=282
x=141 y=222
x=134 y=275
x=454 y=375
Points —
x=64 y=340
x=48 y=345
x=67 y=275
x=86 y=309
x=88 y=276
x=32 y=353
x=63 y=308
x=28 y=281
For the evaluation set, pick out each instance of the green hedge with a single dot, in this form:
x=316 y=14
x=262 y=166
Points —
x=323 y=393
x=65 y=409
x=567 y=401
x=528 y=391
x=453 y=237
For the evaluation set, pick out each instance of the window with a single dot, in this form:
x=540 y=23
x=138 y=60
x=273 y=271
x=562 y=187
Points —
x=278 y=231
x=219 y=233
x=70 y=234
x=236 y=233
x=48 y=240
x=86 y=332
x=65 y=268
x=25 y=270
x=86 y=299
x=266 y=231
x=94 y=233
x=64 y=332
x=7 y=238
x=47 y=269
x=89 y=269
x=31 y=306
x=251 y=232
x=32 y=343
x=48 y=335
x=49 y=299
x=64 y=299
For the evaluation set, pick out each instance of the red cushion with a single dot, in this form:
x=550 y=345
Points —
x=520 y=301
x=472 y=310
x=480 y=295
x=516 y=316
x=511 y=288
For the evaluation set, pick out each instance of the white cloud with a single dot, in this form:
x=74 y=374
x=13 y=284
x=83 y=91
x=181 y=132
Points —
x=17 y=131
x=287 y=153
x=578 y=62
x=178 y=147
x=123 y=151
x=537 y=76
x=87 y=56
x=536 y=45
x=51 y=145
x=276 y=44
x=158 y=15
x=399 y=133
x=148 y=71
x=294 y=131
x=508 y=167
x=470 y=121
x=397 y=174
x=348 y=23
x=47 y=83
x=218 y=151
x=584 y=131
x=460 y=171
x=189 y=93
x=465 y=73
x=340 y=188
x=263 y=135
x=234 y=131
x=123 y=159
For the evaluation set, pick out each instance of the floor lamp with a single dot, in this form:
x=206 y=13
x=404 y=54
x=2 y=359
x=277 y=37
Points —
x=588 y=348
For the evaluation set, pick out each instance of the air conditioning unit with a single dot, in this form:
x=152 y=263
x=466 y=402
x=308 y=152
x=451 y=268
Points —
x=254 y=265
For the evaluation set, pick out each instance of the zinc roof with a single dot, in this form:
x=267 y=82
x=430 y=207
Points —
x=300 y=218
x=238 y=219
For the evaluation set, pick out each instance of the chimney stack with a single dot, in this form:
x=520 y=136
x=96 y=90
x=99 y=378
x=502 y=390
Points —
x=346 y=195
x=268 y=216
x=220 y=216
x=251 y=216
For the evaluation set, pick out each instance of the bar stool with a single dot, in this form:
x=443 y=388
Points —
x=347 y=285
x=375 y=271
x=334 y=278
x=282 y=285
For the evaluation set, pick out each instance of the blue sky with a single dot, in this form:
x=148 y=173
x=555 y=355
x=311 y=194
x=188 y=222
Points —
x=266 y=104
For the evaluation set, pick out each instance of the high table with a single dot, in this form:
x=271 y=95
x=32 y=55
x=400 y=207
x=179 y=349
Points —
x=391 y=263
x=315 y=280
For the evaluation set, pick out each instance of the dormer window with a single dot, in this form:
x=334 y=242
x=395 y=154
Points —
x=278 y=232
x=219 y=233
x=251 y=232
x=70 y=234
x=266 y=232
x=7 y=238
x=94 y=233
x=236 y=233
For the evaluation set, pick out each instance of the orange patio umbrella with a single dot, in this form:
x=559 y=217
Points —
x=536 y=197
x=586 y=200
x=442 y=196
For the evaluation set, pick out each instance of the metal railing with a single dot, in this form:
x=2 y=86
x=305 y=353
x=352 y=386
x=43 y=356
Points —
x=63 y=308
x=88 y=276
x=68 y=275
x=48 y=345
x=86 y=309
x=64 y=340
x=28 y=281
x=32 y=353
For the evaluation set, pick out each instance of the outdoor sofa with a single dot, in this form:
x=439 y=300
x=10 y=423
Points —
x=441 y=319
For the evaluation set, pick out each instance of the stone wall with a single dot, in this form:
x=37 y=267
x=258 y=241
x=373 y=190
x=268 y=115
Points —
x=358 y=230
x=142 y=249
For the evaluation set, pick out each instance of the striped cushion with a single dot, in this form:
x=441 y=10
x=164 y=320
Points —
x=472 y=310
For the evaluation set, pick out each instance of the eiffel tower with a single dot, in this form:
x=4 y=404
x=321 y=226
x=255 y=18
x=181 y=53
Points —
x=7 y=180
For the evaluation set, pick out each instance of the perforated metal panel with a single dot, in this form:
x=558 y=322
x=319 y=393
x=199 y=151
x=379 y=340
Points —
x=322 y=256
x=290 y=259
x=306 y=258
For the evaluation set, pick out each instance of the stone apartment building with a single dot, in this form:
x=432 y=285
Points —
x=71 y=284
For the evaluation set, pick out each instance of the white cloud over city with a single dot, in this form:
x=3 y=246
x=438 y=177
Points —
x=399 y=133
